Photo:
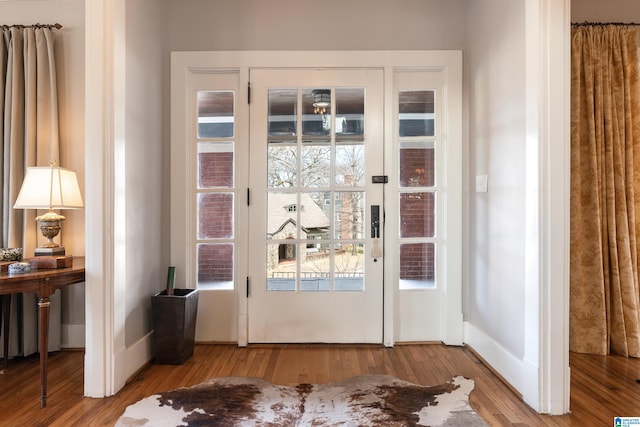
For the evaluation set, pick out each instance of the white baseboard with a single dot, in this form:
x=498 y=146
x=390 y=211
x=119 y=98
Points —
x=501 y=360
x=127 y=362
x=72 y=336
x=530 y=385
x=138 y=355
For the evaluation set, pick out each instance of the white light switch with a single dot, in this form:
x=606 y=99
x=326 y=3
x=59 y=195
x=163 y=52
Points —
x=481 y=183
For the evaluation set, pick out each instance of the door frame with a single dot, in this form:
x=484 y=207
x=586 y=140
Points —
x=449 y=63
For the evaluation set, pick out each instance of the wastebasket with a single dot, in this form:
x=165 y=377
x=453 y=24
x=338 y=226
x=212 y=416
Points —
x=174 y=325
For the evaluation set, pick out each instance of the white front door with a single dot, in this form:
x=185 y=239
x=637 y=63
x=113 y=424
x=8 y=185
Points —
x=316 y=208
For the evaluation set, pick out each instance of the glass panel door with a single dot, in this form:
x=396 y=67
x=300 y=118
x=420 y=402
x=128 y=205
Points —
x=316 y=137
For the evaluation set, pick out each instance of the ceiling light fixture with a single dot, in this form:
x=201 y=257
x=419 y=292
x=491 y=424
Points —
x=321 y=100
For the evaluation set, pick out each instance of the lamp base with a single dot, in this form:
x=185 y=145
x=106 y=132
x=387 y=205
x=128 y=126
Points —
x=57 y=251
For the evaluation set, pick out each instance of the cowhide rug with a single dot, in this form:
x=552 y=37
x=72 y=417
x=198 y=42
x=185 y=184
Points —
x=367 y=400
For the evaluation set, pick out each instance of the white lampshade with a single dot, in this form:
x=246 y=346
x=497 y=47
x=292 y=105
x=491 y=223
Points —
x=49 y=187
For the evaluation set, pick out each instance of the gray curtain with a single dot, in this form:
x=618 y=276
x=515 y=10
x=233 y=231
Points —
x=29 y=132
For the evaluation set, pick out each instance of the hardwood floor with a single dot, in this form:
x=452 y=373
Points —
x=601 y=387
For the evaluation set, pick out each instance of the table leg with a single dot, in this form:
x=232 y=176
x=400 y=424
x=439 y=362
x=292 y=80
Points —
x=43 y=309
x=6 y=316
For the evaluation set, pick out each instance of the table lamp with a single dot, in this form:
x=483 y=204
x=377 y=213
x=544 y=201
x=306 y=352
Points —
x=49 y=187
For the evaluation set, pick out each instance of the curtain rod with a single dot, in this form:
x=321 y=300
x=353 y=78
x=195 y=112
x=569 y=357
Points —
x=56 y=26
x=602 y=24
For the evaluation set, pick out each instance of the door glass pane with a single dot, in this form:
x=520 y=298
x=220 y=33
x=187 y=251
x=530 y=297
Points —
x=315 y=268
x=349 y=114
x=315 y=182
x=349 y=267
x=350 y=165
x=416 y=113
x=215 y=266
x=215 y=114
x=316 y=166
x=282 y=216
x=417 y=167
x=417 y=214
x=283 y=115
x=281 y=266
x=316 y=112
x=417 y=266
x=349 y=214
x=215 y=164
x=215 y=216
x=314 y=217
x=282 y=166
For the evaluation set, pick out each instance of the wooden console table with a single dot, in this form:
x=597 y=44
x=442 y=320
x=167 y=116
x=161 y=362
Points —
x=43 y=283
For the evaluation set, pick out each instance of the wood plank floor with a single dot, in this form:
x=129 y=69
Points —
x=602 y=387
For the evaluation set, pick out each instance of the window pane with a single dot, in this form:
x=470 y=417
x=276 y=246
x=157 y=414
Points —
x=215 y=164
x=316 y=166
x=417 y=266
x=281 y=266
x=417 y=167
x=315 y=212
x=282 y=166
x=215 y=114
x=315 y=269
x=215 y=266
x=283 y=115
x=316 y=112
x=349 y=214
x=349 y=267
x=350 y=165
x=416 y=113
x=417 y=214
x=350 y=114
x=215 y=216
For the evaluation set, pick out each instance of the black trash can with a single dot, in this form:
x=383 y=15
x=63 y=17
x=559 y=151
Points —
x=174 y=325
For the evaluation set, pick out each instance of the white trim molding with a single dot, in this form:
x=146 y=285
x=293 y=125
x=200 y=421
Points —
x=104 y=371
x=546 y=374
x=493 y=353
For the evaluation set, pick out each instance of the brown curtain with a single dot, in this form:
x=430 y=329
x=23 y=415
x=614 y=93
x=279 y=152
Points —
x=605 y=190
x=28 y=137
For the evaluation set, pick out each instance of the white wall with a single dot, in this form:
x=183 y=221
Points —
x=146 y=200
x=516 y=301
x=605 y=11
x=308 y=25
x=69 y=50
x=494 y=299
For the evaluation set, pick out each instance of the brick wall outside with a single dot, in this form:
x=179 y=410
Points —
x=215 y=216
x=417 y=214
x=417 y=167
x=215 y=262
x=417 y=261
x=215 y=169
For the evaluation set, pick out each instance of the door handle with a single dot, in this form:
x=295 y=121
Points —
x=376 y=250
x=375 y=221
